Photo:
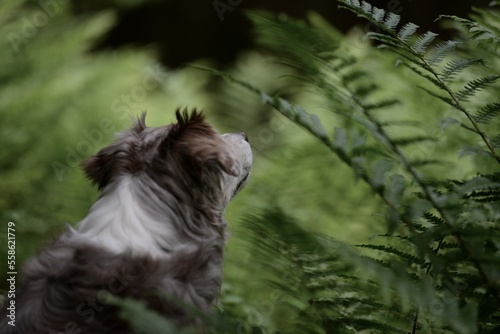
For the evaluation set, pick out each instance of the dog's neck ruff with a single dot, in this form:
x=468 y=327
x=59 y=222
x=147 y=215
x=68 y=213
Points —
x=119 y=221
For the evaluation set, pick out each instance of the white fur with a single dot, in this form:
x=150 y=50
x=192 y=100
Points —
x=243 y=153
x=117 y=222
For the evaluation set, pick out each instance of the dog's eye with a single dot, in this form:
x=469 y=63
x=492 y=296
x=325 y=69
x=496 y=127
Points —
x=240 y=184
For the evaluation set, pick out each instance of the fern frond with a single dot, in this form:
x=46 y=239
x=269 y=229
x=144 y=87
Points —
x=488 y=112
x=390 y=250
x=495 y=141
x=407 y=31
x=362 y=324
x=456 y=66
x=353 y=76
x=403 y=122
x=345 y=301
x=477 y=31
x=391 y=21
x=450 y=245
x=442 y=50
x=477 y=184
x=366 y=7
x=354 y=3
x=344 y=62
x=429 y=77
x=475 y=86
x=431 y=218
x=384 y=104
x=378 y=14
x=365 y=90
x=411 y=140
x=485 y=196
x=379 y=171
x=386 y=40
x=423 y=42
x=425 y=162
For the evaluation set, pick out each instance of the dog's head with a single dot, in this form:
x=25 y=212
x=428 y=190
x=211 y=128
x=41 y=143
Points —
x=187 y=157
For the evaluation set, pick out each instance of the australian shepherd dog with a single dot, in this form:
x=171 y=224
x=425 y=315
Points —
x=155 y=234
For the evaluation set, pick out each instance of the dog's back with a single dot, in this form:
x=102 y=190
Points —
x=67 y=287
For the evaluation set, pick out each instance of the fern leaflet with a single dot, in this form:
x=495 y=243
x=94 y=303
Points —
x=366 y=7
x=378 y=14
x=455 y=66
x=423 y=42
x=390 y=250
x=392 y=21
x=474 y=86
x=441 y=50
x=407 y=31
x=488 y=112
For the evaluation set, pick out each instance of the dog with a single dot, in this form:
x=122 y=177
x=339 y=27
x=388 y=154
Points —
x=156 y=233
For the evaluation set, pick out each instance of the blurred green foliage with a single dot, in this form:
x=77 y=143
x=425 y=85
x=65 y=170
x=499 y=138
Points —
x=61 y=102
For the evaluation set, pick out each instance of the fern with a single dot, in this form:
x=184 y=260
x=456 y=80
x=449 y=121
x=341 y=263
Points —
x=475 y=86
x=423 y=42
x=391 y=21
x=399 y=43
x=455 y=66
x=441 y=50
x=488 y=112
x=407 y=31
x=441 y=240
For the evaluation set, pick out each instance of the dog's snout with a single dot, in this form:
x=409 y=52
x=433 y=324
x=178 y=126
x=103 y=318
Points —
x=244 y=136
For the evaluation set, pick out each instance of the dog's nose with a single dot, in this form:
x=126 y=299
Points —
x=245 y=136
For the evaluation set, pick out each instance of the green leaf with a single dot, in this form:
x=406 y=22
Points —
x=495 y=141
x=475 y=86
x=410 y=140
x=407 y=31
x=379 y=170
x=431 y=218
x=476 y=184
x=391 y=250
x=378 y=14
x=353 y=76
x=446 y=122
x=441 y=51
x=488 y=112
x=454 y=67
x=391 y=21
x=366 y=7
x=395 y=189
x=364 y=324
x=340 y=139
x=423 y=42
x=392 y=220
x=384 y=104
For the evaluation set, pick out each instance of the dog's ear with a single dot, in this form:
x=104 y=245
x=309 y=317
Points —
x=116 y=158
x=100 y=167
x=198 y=141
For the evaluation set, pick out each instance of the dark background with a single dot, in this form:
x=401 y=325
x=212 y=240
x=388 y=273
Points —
x=184 y=31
